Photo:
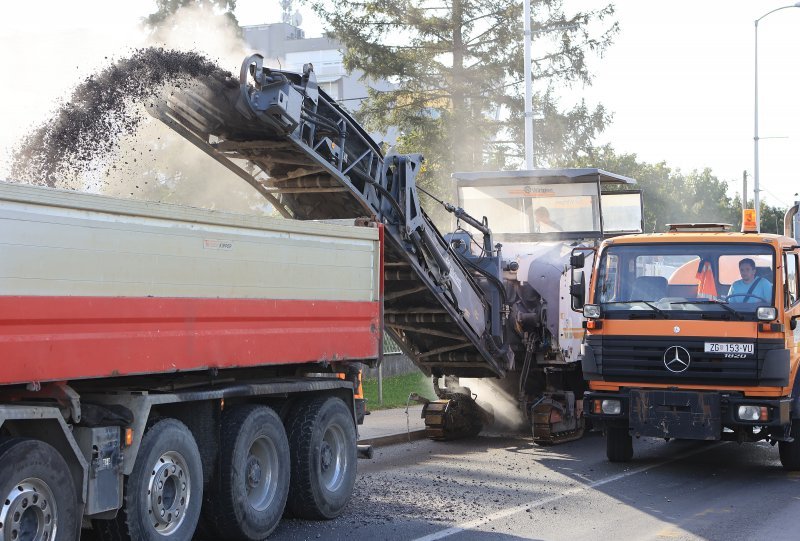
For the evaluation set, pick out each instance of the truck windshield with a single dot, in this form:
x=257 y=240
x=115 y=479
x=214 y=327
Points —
x=685 y=280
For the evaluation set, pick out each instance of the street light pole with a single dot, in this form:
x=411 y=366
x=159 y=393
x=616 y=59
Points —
x=526 y=24
x=755 y=138
x=756 y=186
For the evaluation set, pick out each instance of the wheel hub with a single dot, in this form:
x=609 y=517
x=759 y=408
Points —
x=169 y=491
x=326 y=456
x=260 y=472
x=28 y=512
x=333 y=457
x=254 y=472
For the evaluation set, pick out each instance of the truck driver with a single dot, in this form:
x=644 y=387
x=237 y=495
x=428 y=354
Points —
x=750 y=288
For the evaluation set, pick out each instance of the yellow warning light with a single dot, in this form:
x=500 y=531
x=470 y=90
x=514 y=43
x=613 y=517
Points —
x=749 y=221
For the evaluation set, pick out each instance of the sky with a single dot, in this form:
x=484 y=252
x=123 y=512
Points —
x=679 y=78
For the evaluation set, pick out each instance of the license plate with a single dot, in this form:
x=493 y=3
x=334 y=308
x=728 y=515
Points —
x=728 y=347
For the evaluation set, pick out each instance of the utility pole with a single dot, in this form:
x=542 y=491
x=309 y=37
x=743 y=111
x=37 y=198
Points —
x=744 y=190
x=526 y=24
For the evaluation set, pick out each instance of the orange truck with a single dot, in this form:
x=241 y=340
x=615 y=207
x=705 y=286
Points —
x=693 y=334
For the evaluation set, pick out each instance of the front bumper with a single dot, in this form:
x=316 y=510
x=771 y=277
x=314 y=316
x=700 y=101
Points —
x=701 y=415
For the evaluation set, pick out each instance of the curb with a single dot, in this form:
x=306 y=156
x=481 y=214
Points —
x=393 y=439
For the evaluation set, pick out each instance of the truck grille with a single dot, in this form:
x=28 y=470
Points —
x=633 y=358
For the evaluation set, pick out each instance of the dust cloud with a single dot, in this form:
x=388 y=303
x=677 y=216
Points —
x=168 y=167
x=83 y=133
x=494 y=399
x=102 y=140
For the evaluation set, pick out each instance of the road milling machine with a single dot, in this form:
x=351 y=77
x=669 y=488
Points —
x=477 y=303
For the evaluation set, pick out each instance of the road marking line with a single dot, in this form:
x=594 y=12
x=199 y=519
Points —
x=505 y=513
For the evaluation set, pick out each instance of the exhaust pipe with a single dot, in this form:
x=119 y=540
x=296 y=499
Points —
x=365 y=451
x=790 y=228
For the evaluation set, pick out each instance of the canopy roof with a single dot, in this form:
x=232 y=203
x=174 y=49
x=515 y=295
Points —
x=541 y=176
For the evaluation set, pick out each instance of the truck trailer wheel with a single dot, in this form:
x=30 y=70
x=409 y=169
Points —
x=322 y=442
x=252 y=482
x=790 y=451
x=619 y=444
x=164 y=492
x=39 y=501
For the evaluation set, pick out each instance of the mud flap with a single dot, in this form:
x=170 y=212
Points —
x=675 y=414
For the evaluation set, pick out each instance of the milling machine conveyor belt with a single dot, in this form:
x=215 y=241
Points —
x=305 y=154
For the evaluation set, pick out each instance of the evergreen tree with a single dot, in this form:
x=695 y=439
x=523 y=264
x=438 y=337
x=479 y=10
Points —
x=457 y=70
x=169 y=7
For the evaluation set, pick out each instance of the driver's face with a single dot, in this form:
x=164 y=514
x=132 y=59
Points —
x=747 y=272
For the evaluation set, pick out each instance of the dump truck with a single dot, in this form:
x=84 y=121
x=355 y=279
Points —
x=693 y=334
x=458 y=305
x=160 y=361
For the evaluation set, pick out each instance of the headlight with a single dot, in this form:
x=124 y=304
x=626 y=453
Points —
x=611 y=407
x=766 y=313
x=748 y=413
x=591 y=311
x=753 y=413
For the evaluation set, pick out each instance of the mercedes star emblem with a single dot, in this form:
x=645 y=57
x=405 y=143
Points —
x=677 y=359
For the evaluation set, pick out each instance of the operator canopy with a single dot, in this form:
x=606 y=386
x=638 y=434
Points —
x=552 y=203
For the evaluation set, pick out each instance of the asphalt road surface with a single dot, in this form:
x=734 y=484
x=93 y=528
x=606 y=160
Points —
x=502 y=487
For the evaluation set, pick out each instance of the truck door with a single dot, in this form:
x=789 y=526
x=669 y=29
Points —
x=791 y=266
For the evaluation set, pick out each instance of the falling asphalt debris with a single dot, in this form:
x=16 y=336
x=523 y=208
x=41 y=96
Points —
x=84 y=131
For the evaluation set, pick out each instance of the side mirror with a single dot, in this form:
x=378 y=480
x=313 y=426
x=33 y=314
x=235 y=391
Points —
x=577 y=290
x=577 y=260
x=793 y=322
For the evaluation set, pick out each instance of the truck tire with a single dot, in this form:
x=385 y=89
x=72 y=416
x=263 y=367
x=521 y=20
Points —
x=790 y=451
x=252 y=479
x=37 y=494
x=322 y=443
x=619 y=444
x=164 y=492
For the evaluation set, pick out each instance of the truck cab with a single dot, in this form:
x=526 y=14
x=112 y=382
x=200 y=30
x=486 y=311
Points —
x=692 y=334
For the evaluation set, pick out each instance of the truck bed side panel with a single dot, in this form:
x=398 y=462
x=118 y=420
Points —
x=88 y=291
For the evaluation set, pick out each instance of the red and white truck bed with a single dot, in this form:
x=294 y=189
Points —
x=95 y=287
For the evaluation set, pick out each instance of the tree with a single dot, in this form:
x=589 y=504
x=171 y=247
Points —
x=169 y=7
x=671 y=196
x=771 y=217
x=457 y=69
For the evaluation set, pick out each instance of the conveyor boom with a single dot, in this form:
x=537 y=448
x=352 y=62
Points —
x=305 y=154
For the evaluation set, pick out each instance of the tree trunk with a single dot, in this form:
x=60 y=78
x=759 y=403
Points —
x=459 y=127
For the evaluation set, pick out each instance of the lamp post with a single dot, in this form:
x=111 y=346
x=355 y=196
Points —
x=756 y=190
x=530 y=143
x=529 y=150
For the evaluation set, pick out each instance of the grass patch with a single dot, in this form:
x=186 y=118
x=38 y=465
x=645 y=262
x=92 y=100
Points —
x=396 y=390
